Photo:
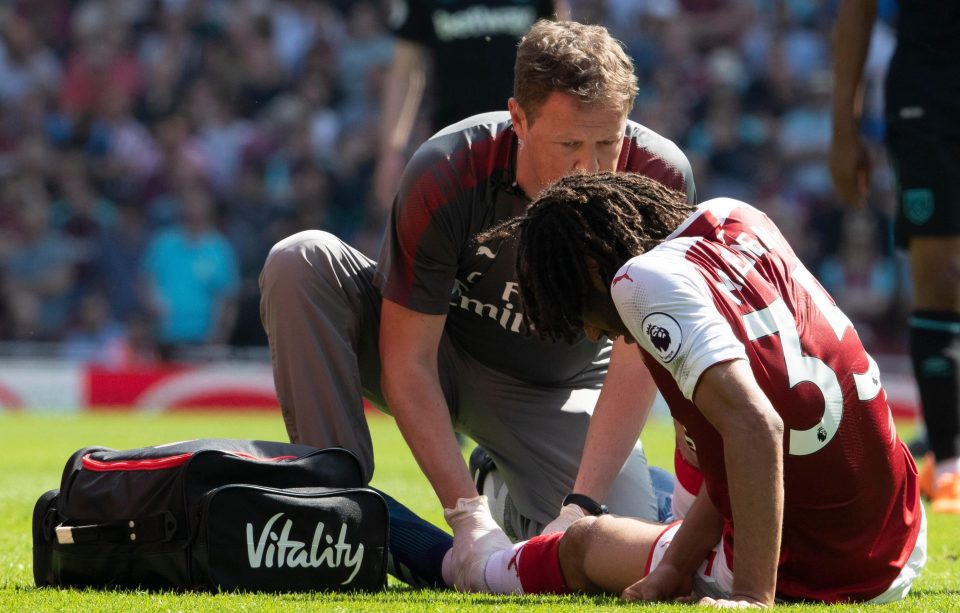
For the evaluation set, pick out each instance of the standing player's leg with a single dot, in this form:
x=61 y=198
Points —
x=935 y=351
x=928 y=224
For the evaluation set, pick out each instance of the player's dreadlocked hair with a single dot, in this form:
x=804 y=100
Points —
x=609 y=217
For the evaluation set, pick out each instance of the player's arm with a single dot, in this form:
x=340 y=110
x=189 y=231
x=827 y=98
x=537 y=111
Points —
x=618 y=417
x=403 y=93
x=849 y=164
x=729 y=397
x=411 y=386
x=699 y=533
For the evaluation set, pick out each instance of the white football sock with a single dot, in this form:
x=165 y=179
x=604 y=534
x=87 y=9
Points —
x=501 y=571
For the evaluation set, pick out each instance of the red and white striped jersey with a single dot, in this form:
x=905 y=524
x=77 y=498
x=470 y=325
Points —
x=726 y=285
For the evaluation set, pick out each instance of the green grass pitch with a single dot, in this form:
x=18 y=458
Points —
x=34 y=447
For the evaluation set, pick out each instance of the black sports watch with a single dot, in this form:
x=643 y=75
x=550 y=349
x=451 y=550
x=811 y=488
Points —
x=586 y=503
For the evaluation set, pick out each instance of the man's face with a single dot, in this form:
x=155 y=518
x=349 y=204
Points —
x=601 y=317
x=565 y=137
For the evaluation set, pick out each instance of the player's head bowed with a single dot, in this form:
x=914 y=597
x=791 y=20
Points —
x=607 y=217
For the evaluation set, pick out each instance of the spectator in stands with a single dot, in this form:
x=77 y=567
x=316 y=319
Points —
x=100 y=59
x=26 y=64
x=127 y=156
x=155 y=96
x=119 y=255
x=252 y=227
x=82 y=214
x=221 y=133
x=183 y=159
x=261 y=77
x=40 y=271
x=191 y=277
x=364 y=57
x=94 y=336
x=862 y=278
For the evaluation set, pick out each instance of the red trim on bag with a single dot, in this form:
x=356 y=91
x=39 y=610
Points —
x=147 y=464
x=162 y=463
x=279 y=458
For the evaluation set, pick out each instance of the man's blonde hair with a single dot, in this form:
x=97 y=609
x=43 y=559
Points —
x=572 y=58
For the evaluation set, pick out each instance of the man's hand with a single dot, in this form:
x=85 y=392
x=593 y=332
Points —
x=665 y=582
x=568 y=514
x=850 y=167
x=475 y=538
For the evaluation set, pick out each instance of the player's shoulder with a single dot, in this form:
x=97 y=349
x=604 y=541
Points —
x=490 y=125
x=477 y=139
x=467 y=152
x=657 y=274
x=656 y=156
x=714 y=217
x=641 y=136
x=725 y=209
x=666 y=260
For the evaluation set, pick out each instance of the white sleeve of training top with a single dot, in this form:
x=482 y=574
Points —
x=666 y=305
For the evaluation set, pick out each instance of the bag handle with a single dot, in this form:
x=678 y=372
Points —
x=158 y=528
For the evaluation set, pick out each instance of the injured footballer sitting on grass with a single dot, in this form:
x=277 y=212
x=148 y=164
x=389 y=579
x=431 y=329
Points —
x=802 y=489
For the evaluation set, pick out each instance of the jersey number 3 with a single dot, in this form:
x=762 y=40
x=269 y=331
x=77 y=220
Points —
x=777 y=319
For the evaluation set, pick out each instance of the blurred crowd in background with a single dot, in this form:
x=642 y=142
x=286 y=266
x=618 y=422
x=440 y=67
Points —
x=152 y=151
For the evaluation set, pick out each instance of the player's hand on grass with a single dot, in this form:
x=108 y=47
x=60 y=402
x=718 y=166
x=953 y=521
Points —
x=735 y=602
x=476 y=536
x=568 y=514
x=665 y=582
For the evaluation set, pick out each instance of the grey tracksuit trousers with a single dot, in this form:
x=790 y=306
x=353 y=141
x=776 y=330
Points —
x=321 y=312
